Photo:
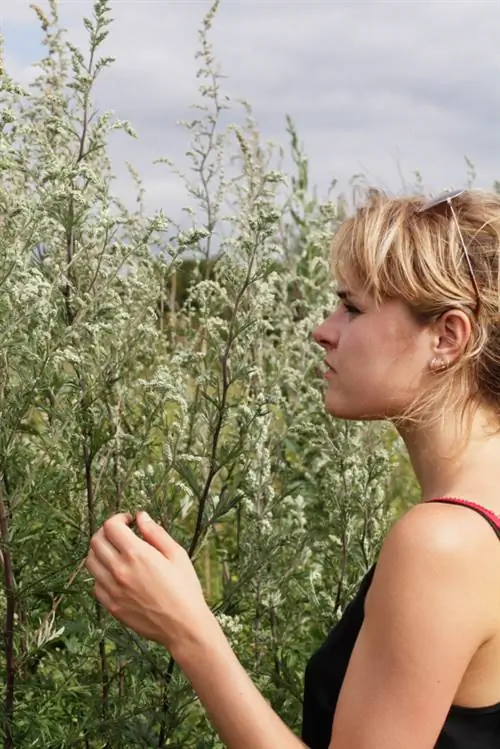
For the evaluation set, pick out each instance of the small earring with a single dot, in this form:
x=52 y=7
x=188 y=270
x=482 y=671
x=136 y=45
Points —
x=438 y=364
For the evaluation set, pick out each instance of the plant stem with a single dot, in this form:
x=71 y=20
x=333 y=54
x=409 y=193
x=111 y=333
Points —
x=8 y=627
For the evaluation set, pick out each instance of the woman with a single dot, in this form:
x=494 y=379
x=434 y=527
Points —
x=415 y=661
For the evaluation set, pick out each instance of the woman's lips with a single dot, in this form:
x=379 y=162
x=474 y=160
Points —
x=329 y=371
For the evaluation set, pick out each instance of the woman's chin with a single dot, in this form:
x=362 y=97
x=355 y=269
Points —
x=347 y=411
x=340 y=410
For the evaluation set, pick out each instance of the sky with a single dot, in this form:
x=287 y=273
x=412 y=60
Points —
x=379 y=87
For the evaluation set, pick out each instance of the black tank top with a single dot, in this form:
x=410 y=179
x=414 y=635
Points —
x=464 y=727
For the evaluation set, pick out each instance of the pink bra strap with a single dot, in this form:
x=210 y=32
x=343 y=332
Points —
x=456 y=500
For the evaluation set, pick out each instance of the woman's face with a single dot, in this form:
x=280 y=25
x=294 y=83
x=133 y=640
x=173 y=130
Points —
x=378 y=357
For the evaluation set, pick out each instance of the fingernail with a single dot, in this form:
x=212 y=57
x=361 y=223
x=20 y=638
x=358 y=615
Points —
x=146 y=517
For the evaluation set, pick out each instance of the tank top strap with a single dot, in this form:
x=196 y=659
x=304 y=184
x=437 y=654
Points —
x=491 y=517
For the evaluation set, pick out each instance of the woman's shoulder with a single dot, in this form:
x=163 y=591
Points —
x=446 y=527
x=442 y=549
x=444 y=533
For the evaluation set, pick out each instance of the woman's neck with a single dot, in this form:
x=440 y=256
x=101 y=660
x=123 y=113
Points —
x=449 y=461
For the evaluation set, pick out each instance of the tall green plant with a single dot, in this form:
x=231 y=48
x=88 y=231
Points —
x=210 y=416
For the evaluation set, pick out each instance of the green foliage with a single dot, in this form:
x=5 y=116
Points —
x=148 y=367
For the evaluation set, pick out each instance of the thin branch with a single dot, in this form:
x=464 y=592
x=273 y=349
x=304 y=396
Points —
x=8 y=626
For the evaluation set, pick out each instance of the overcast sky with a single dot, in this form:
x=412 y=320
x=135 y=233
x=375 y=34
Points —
x=380 y=87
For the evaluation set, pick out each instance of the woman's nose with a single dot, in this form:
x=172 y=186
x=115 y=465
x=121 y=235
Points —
x=317 y=335
x=325 y=334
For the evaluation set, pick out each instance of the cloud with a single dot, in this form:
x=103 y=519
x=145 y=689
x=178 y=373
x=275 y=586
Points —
x=372 y=86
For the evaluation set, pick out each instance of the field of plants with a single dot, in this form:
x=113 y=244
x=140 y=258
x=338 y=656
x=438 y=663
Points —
x=149 y=365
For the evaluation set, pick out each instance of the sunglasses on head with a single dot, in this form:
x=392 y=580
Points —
x=447 y=198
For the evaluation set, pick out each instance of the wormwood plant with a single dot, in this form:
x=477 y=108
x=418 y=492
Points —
x=115 y=395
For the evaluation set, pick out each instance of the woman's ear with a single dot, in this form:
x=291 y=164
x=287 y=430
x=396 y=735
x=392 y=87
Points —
x=452 y=332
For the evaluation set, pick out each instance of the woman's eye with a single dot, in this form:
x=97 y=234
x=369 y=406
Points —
x=350 y=309
x=345 y=303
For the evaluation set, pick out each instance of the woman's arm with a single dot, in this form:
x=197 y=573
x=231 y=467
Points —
x=238 y=711
x=429 y=610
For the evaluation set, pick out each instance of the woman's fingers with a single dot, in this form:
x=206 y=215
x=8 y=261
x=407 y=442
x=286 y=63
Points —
x=105 y=551
x=117 y=532
x=104 y=598
x=99 y=571
x=157 y=536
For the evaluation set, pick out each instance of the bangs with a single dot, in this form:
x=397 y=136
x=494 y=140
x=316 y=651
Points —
x=348 y=262
x=389 y=251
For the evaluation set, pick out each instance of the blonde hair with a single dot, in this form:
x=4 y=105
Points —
x=391 y=250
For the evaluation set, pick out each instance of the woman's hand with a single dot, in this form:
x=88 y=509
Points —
x=150 y=586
